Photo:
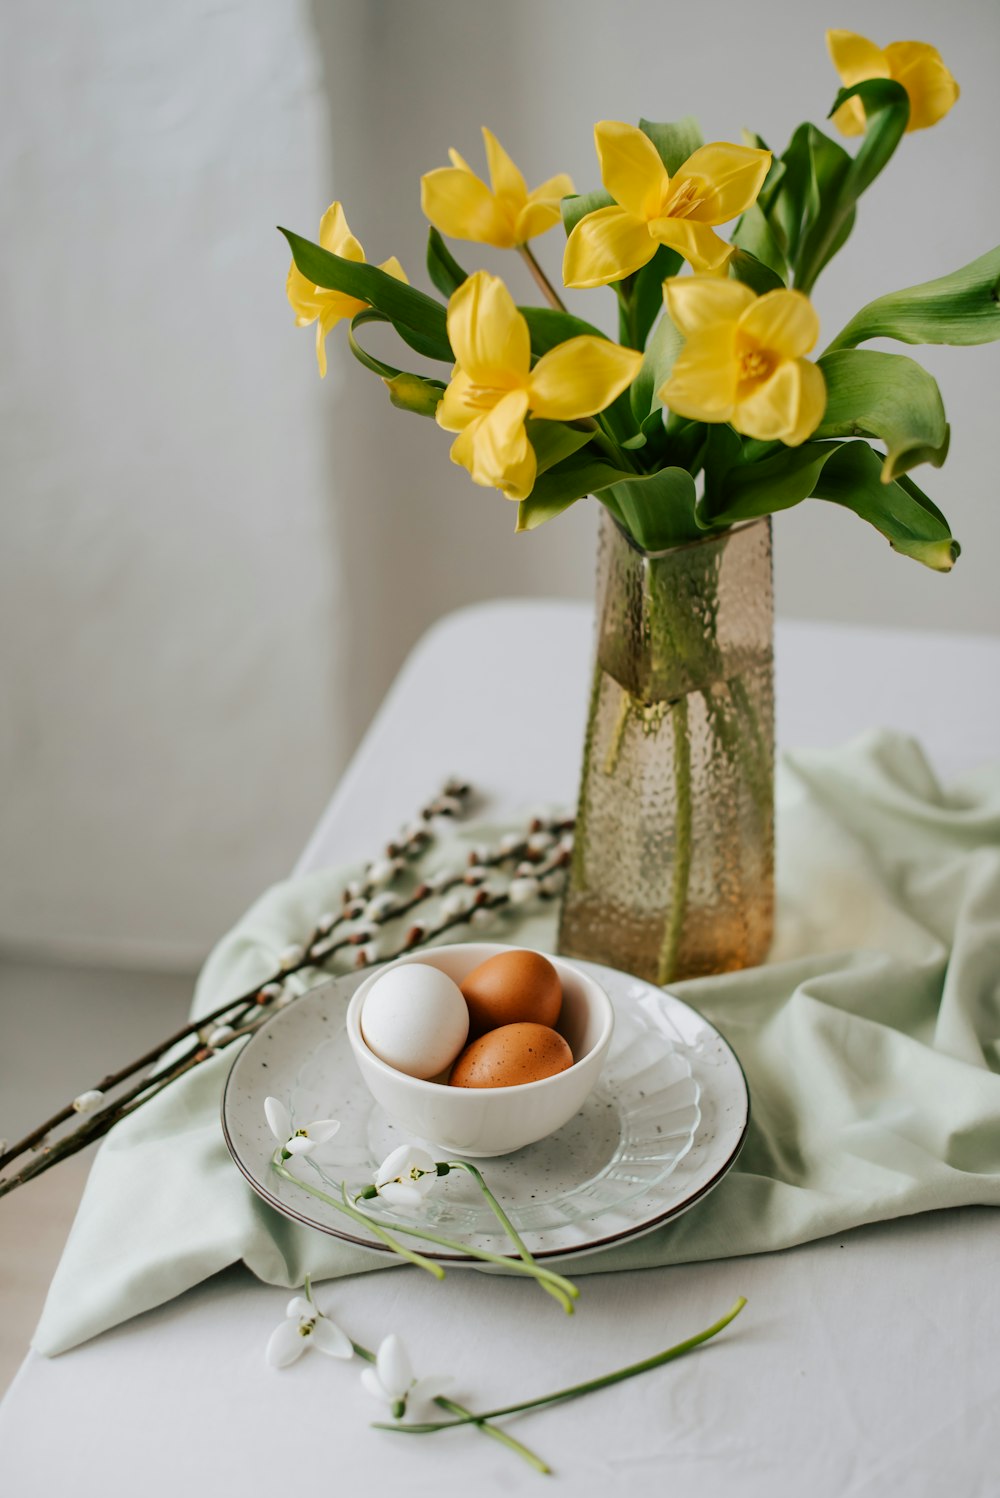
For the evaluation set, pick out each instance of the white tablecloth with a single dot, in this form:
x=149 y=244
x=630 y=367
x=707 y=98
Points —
x=863 y=1365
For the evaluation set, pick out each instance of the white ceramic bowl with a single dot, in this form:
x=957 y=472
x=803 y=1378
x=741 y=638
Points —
x=482 y=1121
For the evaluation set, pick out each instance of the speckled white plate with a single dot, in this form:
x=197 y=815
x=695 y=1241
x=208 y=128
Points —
x=664 y=1124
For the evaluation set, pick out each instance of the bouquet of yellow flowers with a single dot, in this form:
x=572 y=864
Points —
x=708 y=410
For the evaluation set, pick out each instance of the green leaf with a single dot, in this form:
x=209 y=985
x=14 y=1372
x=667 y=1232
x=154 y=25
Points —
x=960 y=308
x=418 y=319
x=845 y=473
x=577 y=205
x=549 y=327
x=755 y=235
x=555 y=440
x=909 y=520
x=676 y=142
x=536 y=510
x=662 y=349
x=745 y=267
x=442 y=267
x=812 y=167
x=886 y=396
x=887 y=112
x=658 y=509
x=412 y=392
x=644 y=295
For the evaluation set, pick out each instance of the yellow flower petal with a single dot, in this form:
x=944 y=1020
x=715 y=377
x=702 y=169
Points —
x=855 y=57
x=321 y=333
x=631 y=168
x=812 y=403
x=727 y=179
x=535 y=219
x=458 y=204
x=543 y=209
x=553 y=189
x=488 y=334
x=700 y=245
x=393 y=268
x=303 y=296
x=457 y=409
x=696 y=302
x=850 y=118
x=784 y=322
x=459 y=161
x=605 y=246
x=503 y=458
x=509 y=187
x=335 y=236
x=785 y=408
x=702 y=384
x=580 y=377
x=921 y=70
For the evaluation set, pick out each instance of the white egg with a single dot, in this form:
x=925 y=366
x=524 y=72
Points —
x=415 y=1019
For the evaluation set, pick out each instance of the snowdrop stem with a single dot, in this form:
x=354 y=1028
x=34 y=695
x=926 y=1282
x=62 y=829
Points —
x=516 y=1266
x=452 y=1408
x=590 y=1387
x=356 y=1216
x=563 y=1290
x=469 y=1417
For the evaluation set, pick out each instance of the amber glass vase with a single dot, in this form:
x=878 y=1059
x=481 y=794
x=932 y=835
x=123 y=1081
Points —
x=673 y=863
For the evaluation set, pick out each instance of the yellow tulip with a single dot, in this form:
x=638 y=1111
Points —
x=715 y=184
x=506 y=214
x=916 y=65
x=742 y=360
x=319 y=305
x=493 y=387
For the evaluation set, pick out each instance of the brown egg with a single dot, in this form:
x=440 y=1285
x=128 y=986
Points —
x=510 y=1055
x=510 y=988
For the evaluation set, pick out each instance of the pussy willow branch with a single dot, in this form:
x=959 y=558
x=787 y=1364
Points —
x=539 y=857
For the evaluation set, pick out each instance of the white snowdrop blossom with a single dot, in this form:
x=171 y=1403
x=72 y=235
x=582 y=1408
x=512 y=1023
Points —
x=406 y=1176
x=297 y=1141
x=88 y=1101
x=391 y=1379
x=305 y=1326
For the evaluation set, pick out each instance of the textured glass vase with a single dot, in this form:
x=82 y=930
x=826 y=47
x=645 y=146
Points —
x=673 y=863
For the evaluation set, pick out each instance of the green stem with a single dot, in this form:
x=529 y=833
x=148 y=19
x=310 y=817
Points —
x=614 y=749
x=590 y=1387
x=349 y=1211
x=681 y=875
x=541 y=279
x=545 y=1277
x=562 y=1289
x=578 y=866
x=466 y=1415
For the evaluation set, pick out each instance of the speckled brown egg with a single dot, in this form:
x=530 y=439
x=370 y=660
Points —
x=512 y=988
x=511 y=1055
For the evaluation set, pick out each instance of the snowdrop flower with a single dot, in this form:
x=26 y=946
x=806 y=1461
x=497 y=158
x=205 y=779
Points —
x=301 y=1141
x=392 y=1380
x=305 y=1326
x=406 y=1176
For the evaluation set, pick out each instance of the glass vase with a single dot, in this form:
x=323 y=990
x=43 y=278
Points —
x=673 y=863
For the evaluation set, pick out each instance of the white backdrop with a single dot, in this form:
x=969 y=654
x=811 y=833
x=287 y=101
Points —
x=210 y=563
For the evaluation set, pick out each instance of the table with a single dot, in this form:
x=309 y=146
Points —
x=863 y=1365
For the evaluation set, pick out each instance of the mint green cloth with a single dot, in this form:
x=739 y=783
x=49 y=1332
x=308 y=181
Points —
x=871 y=1042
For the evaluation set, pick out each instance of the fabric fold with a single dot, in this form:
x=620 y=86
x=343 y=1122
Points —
x=870 y=1041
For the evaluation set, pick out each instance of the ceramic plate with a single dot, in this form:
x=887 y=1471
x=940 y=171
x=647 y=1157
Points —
x=664 y=1124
